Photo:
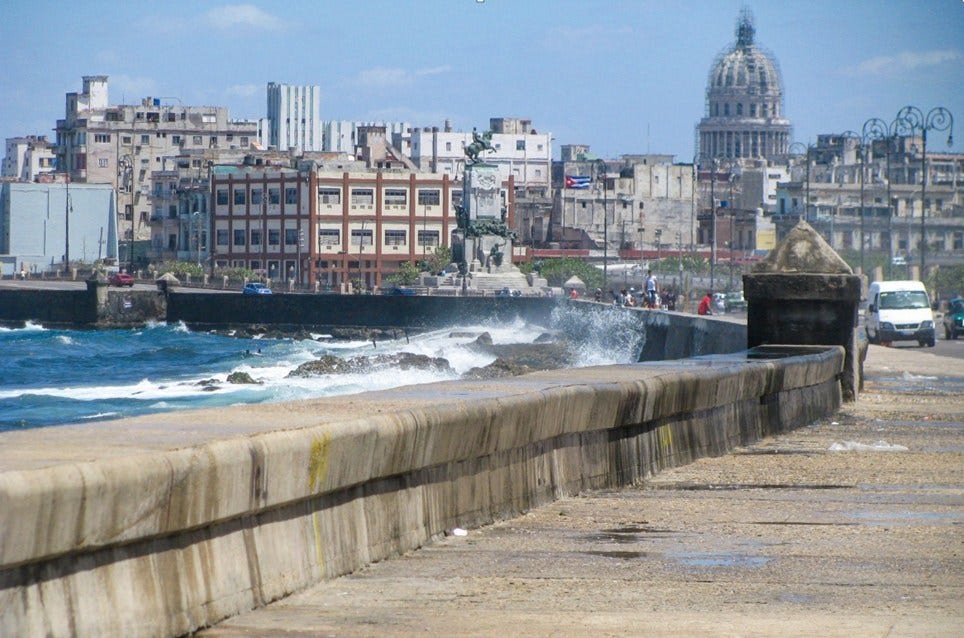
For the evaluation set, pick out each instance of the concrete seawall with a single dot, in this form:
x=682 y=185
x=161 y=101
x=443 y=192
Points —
x=159 y=525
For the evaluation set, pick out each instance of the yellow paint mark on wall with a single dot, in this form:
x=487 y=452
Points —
x=318 y=462
x=317 y=471
x=665 y=438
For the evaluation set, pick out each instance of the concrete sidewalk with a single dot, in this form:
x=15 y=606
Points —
x=831 y=530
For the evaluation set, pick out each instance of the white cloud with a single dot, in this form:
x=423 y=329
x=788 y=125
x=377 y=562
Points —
x=382 y=77
x=131 y=88
x=231 y=16
x=903 y=62
x=245 y=90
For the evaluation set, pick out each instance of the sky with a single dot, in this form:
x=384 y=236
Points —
x=624 y=76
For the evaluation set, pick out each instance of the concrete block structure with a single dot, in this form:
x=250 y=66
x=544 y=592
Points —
x=28 y=158
x=294 y=117
x=35 y=220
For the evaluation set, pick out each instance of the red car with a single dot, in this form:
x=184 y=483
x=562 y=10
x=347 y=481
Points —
x=120 y=279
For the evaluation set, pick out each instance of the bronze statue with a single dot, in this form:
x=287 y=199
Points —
x=479 y=144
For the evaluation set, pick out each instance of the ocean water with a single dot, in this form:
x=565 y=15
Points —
x=52 y=377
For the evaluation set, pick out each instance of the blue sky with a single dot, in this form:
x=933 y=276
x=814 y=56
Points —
x=625 y=76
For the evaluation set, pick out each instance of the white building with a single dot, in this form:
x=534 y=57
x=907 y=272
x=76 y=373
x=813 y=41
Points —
x=341 y=136
x=519 y=151
x=294 y=117
x=35 y=218
x=27 y=157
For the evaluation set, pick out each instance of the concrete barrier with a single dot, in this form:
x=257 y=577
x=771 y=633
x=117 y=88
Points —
x=159 y=525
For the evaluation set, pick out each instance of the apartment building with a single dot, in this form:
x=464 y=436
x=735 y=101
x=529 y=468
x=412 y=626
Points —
x=123 y=145
x=28 y=157
x=330 y=225
x=294 y=117
x=520 y=152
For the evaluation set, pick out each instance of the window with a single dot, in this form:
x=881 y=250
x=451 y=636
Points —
x=726 y=109
x=239 y=237
x=176 y=139
x=520 y=145
x=222 y=237
x=958 y=240
x=448 y=146
x=101 y=138
x=428 y=238
x=102 y=162
x=361 y=237
x=127 y=139
x=291 y=195
x=197 y=140
x=329 y=195
x=154 y=117
x=222 y=197
x=171 y=117
x=257 y=196
x=753 y=110
x=274 y=195
x=244 y=142
x=274 y=237
x=396 y=197
x=239 y=196
x=394 y=237
x=145 y=139
x=291 y=236
x=329 y=236
x=256 y=237
x=362 y=197
x=739 y=108
x=255 y=264
x=213 y=141
x=429 y=197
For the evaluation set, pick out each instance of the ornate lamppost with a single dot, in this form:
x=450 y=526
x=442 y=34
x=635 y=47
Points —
x=600 y=169
x=911 y=119
x=876 y=129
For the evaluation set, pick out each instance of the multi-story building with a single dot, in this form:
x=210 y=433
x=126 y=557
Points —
x=123 y=145
x=28 y=157
x=36 y=219
x=331 y=224
x=636 y=203
x=882 y=211
x=342 y=136
x=744 y=117
x=520 y=152
x=294 y=117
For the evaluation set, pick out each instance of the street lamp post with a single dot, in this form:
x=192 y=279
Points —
x=600 y=166
x=659 y=235
x=713 y=224
x=912 y=119
x=876 y=129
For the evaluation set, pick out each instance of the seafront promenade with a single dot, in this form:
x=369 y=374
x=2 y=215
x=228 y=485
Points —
x=849 y=527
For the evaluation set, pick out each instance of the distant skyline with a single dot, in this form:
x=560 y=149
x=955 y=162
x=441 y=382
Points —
x=622 y=76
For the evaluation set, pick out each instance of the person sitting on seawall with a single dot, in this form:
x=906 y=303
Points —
x=574 y=294
x=706 y=304
x=598 y=295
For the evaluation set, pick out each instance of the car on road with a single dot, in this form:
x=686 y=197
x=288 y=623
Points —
x=402 y=291
x=120 y=279
x=954 y=318
x=255 y=288
x=734 y=301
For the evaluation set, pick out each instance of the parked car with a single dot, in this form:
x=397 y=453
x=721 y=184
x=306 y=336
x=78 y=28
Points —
x=507 y=292
x=899 y=311
x=255 y=288
x=120 y=279
x=402 y=291
x=954 y=318
x=734 y=301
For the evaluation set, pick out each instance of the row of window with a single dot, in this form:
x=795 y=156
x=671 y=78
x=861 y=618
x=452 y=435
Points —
x=80 y=139
x=257 y=196
x=328 y=195
x=326 y=237
x=764 y=109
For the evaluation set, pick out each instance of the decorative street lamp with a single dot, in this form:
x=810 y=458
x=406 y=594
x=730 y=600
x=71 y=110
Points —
x=600 y=170
x=876 y=129
x=852 y=135
x=911 y=119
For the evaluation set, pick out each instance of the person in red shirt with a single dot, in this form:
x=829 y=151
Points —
x=706 y=305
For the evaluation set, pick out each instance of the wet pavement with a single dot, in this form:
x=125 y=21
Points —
x=849 y=527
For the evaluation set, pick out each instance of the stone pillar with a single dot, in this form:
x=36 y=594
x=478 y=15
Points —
x=803 y=293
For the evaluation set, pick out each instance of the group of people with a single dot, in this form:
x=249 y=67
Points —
x=652 y=297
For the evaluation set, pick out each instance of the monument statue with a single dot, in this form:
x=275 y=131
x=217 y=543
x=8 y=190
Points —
x=479 y=144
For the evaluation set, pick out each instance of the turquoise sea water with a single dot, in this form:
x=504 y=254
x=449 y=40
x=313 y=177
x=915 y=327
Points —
x=52 y=377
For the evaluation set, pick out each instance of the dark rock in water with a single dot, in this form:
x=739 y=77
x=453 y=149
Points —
x=541 y=356
x=329 y=364
x=485 y=339
x=242 y=377
x=548 y=337
x=205 y=383
x=497 y=369
x=461 y=334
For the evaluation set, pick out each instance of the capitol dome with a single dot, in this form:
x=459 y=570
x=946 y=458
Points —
x=744 y=102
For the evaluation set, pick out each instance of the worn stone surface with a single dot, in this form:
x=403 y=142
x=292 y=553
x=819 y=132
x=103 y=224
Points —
x=158 y=525
x=780 y=538
x=803 y=250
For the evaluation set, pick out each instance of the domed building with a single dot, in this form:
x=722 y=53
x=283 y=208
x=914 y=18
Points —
x=744 y=103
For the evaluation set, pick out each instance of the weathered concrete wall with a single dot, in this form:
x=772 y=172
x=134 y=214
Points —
x=99 y=306
x=159 y=525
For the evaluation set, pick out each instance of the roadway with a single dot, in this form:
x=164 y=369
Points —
x=787 y=537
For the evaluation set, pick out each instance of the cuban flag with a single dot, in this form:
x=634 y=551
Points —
x=577 y=181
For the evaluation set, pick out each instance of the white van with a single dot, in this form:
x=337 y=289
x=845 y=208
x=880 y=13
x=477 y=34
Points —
x=899 y=311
